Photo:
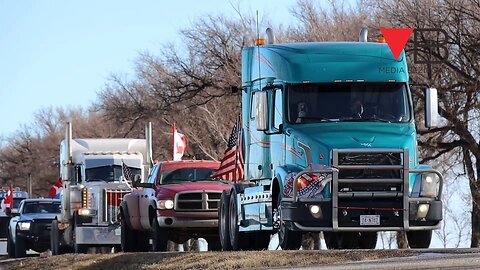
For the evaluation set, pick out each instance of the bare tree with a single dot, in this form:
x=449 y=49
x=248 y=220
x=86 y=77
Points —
x=457 y=80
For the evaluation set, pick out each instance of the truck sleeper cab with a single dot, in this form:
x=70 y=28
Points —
x=330 y=145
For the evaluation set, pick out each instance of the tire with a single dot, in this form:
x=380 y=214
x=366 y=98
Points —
x=160 y=238
x=143 y=241
x=419 y=239
x=367 y=240
x=20 y=249
x=261 y=240
x=10 y=246
x=287 y=239
x=214 y=244
x=128 y=237
x=54 y=238
x=238 y=240
x=80 y=248
x=223 y=221
x=342 y=240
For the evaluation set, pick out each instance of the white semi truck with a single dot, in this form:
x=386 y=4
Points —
x=94 y=183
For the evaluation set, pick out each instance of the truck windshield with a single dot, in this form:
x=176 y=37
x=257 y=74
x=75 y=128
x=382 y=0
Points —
x=348 y=102
x=186 y=175
x=41 y=207
x=107 y=173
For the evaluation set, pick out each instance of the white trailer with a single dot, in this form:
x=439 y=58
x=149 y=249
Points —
x=93 y=188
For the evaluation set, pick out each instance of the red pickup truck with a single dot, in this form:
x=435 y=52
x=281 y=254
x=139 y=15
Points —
x=179 y=201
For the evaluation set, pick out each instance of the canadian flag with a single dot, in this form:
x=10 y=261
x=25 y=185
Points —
x=8 y=200
x=179 y=144
x=55 y=190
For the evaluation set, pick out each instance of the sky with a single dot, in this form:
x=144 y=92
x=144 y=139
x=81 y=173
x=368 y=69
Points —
x=61 y=53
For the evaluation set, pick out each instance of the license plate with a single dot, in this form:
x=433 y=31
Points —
x=369 y=220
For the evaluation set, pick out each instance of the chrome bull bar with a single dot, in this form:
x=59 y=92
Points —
x=334 y=170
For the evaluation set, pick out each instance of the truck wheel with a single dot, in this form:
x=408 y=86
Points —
x=214 y=244
x=127 y=237
x=20 y=249
x=261 y=240
x=143 y=241
x=238 y=240
x=80 y=248
x=287 y=239
x=419 y=239
x=160 y=237
x=223 y=221
x=367 y=240
x=10 y=246
x=54 y=238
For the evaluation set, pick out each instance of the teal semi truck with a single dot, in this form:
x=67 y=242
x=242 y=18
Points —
x=330 y=146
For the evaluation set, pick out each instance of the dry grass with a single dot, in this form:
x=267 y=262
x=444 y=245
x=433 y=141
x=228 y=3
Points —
x=199 y=260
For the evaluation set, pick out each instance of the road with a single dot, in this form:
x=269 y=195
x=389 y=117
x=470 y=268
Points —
x=3 y=248
x=425 y=261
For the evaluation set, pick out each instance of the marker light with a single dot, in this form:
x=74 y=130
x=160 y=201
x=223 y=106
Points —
x=381 y=40
x=260 y=41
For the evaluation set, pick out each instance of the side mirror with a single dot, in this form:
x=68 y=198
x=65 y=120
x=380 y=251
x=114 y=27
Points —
x=261 y=111
x=8 y=212
x=137 y=178
x=431 y=108
x=143 y=185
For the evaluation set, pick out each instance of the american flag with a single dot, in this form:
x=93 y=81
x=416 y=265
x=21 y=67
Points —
x=231 y=166
x=127 y=174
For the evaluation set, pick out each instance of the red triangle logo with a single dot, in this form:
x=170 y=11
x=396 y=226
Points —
x=396 y=39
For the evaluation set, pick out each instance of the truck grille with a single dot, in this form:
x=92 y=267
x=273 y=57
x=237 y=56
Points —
x=383 y=169
x=41 y=227
x=370 y=181
x=197 y=201
x=113 y=198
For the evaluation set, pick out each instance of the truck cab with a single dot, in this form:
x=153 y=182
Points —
x=330 y=140
x=97 y=174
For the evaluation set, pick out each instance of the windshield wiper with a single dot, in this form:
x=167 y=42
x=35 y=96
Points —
x=370 y=119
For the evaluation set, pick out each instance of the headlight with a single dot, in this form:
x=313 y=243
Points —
x=430 y=186
x=86 y=212
x=24 y=226
x=165 y=204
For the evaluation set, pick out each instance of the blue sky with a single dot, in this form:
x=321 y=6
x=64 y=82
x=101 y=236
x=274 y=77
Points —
x=60 y=53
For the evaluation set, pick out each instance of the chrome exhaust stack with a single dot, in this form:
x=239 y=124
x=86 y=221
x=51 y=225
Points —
x=363 y=36
x=270 y=36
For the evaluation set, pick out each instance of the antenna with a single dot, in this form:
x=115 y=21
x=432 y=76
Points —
x=258 y=53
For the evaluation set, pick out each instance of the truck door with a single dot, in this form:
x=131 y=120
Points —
x=256 y=144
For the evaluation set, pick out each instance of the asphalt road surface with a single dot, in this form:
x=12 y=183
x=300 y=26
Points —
x=3 y=248
x=424 y=261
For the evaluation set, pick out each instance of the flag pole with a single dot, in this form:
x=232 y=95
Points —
x=236 y=153
x=173 y=140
